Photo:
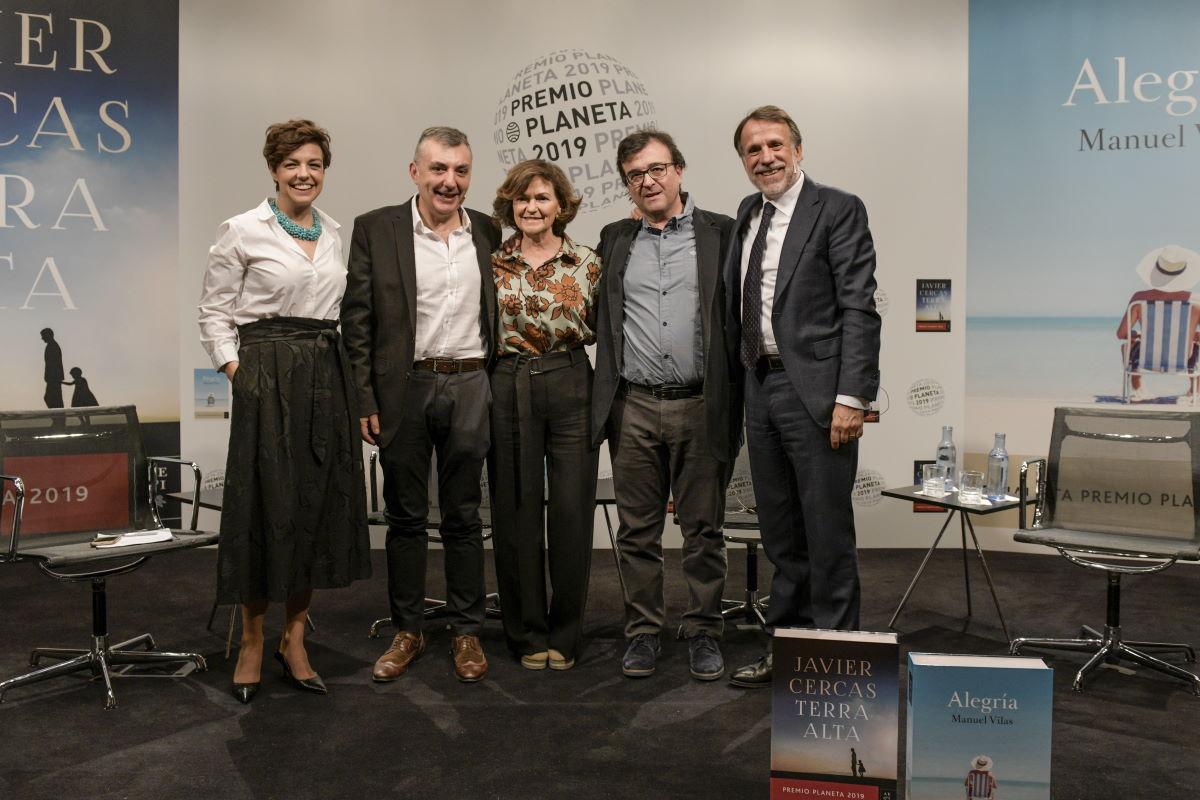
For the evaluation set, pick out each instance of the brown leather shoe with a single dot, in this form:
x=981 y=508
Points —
x=405 y=648
x=470 y=664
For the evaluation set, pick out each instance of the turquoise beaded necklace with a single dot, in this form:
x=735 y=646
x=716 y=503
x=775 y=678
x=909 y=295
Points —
x=296 y=230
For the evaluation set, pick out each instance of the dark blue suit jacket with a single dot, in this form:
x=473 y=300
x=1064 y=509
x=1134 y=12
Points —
x=824 y=316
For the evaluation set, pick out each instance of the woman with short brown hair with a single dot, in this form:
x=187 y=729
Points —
x=293 y=516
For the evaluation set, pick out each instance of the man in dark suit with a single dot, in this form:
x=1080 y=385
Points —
x=662 y=394
x=805 y=334
x=418 y=322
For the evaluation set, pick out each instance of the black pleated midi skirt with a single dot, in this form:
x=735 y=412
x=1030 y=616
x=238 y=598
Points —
x=294 y=510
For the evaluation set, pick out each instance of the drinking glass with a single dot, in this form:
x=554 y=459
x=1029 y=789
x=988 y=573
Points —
x=970 y=488
x=933 y=480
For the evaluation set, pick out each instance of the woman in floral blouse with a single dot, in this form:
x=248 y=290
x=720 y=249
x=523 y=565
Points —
x=546 y=286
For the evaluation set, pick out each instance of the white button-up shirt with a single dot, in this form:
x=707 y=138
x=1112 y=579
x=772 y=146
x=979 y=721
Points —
x=256 y=270
x=449 y=289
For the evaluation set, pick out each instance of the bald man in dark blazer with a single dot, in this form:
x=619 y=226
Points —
x=804 y=332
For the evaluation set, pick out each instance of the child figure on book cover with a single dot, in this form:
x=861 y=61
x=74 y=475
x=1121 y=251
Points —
x=835 y=699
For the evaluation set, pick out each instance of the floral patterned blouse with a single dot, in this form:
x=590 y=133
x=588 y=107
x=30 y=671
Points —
x=550 y=307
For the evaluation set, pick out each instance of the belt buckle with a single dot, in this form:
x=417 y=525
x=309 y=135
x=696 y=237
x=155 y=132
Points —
x=659 y=392
x=535 y=365
x=444 y=365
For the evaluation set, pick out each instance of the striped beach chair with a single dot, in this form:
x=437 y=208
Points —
x=1162 y=342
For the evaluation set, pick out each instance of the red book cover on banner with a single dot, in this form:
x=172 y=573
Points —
x=65 y=494
x=834 y=715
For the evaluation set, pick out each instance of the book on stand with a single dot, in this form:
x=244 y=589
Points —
x=978 y=727
x=834 y=715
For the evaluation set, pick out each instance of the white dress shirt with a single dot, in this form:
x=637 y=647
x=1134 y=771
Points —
x=785 y=208
x=256 y=270
x=449 y=288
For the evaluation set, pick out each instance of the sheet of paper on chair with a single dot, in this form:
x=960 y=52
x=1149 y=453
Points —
x=106 y=540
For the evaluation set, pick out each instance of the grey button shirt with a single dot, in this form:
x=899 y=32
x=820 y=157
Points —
x=664 y=337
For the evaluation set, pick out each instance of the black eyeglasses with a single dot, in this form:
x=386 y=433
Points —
x=656 y=171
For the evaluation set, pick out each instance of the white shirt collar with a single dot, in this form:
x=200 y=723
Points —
x=787 y=201
x=421 y=229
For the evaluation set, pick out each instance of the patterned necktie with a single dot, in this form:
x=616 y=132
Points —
x=752 y=294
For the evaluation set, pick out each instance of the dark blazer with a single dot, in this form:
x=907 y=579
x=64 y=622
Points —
x=824 y=316
x=714 y=233
x=379 y=309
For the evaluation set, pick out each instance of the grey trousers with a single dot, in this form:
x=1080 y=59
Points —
x=660 y=449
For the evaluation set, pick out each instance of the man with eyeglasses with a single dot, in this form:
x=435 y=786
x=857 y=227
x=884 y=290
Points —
x=663 y=397
x=804 y=331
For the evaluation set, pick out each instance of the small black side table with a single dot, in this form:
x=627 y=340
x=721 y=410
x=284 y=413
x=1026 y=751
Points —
x=965 y=510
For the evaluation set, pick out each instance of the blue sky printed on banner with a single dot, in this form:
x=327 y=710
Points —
x=123 y=329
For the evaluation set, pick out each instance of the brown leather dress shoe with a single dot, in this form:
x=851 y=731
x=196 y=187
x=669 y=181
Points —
x=470 y=664
x=405 y=648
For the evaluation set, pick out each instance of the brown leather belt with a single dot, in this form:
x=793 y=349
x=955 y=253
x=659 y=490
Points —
x=445 y=365
x=662 y=391
x=770 y=363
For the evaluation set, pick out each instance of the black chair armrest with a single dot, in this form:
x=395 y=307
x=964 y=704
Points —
x=18 y=509
x=152 y=460
x=1039 y=496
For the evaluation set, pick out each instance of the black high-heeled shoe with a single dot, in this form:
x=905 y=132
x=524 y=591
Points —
x=313 y=684
x=245 y=692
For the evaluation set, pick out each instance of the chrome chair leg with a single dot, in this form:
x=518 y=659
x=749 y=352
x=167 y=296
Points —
x=373 y=633
x=77 y=664
x=157 y=657
x=99 y=659
x=1093 y=663
x=1110 y=648
x=1189 y=655
x=110 y=699
x=128 y=644
x=1079 y=645
x=491 y=606
x=54 y=652
x=1147 y=660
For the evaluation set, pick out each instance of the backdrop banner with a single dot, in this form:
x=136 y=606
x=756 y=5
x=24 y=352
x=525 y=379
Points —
x=89 y=231
x=1082 y=232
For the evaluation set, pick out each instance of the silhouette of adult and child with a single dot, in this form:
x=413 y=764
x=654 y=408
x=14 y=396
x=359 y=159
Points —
x=54 y=375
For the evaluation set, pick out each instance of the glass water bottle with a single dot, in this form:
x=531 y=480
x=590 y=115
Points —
x=996 y=487
x=947 y=456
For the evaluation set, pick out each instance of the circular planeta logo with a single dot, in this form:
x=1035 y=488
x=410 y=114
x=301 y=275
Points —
x=926 y=397
x=868 y=488
x=213 y=479
x=881 y=302
x=573 y=107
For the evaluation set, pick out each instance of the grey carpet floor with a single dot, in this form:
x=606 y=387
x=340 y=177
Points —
x=586 y=733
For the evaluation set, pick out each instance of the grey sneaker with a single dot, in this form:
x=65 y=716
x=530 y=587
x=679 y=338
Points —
x=704 y=657
x=640 y=656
